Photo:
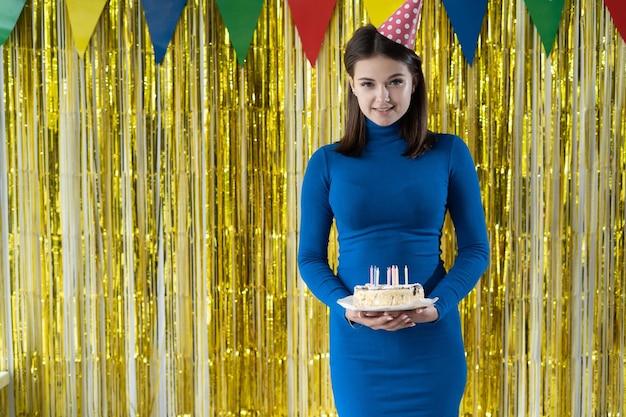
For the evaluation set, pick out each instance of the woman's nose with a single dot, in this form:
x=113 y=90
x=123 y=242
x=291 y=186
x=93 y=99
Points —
x=383 y=94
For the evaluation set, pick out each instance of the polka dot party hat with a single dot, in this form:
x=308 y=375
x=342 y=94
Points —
x=401 y=27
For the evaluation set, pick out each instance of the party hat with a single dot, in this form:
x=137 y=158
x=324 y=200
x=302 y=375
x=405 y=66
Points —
x=401 y=27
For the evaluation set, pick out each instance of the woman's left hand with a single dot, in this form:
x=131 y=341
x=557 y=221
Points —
x=424 y=314
x=393 y=320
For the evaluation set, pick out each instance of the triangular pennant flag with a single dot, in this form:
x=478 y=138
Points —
x=162 y=17
x=378 y=11
x=546 y=15
x=311 y=18
x=84 y=16
x=240 y=18
x=466 y=17
x=9 y=13
x=617 y=9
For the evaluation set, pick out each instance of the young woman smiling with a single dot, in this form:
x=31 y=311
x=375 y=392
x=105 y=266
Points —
x=388 y=185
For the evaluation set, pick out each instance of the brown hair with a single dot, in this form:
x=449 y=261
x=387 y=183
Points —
x=366 y=43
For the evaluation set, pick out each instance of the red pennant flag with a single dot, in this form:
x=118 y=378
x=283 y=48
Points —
x=311 y=18
x=617 y=9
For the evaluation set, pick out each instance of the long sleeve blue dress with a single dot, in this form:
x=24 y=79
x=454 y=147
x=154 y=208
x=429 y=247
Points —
x=390 y=210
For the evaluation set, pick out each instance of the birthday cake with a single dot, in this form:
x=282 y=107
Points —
x=392 y=293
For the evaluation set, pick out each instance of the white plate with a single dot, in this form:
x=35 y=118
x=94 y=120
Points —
x=346 y=303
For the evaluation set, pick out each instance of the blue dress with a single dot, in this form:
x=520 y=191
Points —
x=390 y=210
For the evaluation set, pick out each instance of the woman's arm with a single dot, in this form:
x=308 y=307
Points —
x=467 y=213
x=315 y=224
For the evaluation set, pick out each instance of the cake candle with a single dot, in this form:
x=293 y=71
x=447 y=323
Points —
x=406 y=275
x=388 y=275
x=377 y=273
x=371 y=274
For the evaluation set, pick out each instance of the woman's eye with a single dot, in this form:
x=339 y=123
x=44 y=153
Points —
x=396 y=82
x=366 y=84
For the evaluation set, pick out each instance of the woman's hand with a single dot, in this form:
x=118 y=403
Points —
x=393 y=320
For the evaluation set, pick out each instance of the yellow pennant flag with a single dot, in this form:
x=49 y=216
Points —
x=84 y=16
x=380 y=10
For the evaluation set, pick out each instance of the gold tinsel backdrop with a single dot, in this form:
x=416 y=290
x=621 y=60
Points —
x=149 y=213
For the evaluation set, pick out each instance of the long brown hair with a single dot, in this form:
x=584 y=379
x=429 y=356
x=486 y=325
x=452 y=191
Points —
x=366 y=43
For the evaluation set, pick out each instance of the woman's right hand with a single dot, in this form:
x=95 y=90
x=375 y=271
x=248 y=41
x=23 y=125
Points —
x=381 y=320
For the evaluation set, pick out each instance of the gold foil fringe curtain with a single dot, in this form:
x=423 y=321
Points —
x=149 y=214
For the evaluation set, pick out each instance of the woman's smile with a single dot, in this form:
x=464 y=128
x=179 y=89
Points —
x=383 y=88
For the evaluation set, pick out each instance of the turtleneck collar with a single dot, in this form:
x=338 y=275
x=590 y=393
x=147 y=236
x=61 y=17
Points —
x=384 y=136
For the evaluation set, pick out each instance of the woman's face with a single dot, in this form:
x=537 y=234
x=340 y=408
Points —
x=383 y=88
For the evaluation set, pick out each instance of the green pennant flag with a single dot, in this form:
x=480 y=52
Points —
x=546 y=15
x=240 y=18
x=9 y=13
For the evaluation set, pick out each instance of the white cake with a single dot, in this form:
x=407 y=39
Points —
x=372 y=295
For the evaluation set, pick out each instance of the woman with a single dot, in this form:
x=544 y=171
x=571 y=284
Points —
x=388 y=184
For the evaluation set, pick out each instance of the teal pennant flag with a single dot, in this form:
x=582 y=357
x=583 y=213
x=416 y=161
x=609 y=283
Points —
x=466 y=17
x=162 y=18
x=9 y=13
x=546 y=15
x=240 y=18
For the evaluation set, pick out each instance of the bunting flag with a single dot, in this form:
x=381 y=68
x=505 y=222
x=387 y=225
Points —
x=617 y=9
x=379 y=11
x=83 y=16
x=240 y=18
x=9 y=13
x=311 y=19
x=466 y=17
x=161 y=17
x=546 y=15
